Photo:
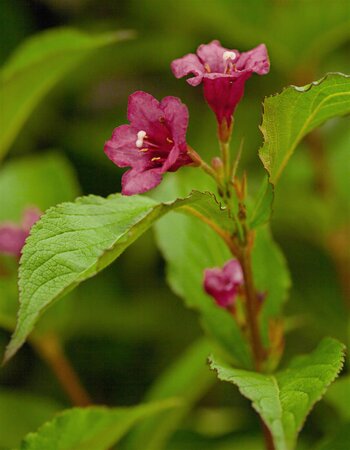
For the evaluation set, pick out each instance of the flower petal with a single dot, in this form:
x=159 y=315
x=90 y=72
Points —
x=171 y=159
x=176 y=117
x=223 y=284
x=136 y=182
x=224 y=93
x=233 y=270
x=186 y=65
x=145 y=113
x=216 y=285
x=121 y=148
x=212 y=55
x=256 y=60
x=12 y=239
x=143 y=110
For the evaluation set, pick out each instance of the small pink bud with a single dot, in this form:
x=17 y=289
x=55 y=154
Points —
x=223 y=284
x=217 y=164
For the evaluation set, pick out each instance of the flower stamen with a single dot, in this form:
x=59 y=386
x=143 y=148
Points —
x=228 y=55
x=169 y=140
x=155 y=158
x=141 y=135
x=207 y=67
x=228 y=58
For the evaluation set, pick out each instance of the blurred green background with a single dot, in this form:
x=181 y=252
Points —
x=123 y=328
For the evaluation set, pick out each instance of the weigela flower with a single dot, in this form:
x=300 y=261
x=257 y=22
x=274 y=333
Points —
x=153 y=143
x=223 y=73
x=13 y=236
x=224 y=284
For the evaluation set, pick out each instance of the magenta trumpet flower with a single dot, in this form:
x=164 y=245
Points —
x=153 y=143
x=223 y=73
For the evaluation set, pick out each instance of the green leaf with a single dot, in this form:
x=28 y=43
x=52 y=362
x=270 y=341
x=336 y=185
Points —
x=42 y=181
x=21 y=413
x=36 y=66
x=292 y=114
x=196 y=248
x=93 y=428
x=271 y=276
x=74 y=241
x=283 y=400
x=188 y=378
x=260 y=211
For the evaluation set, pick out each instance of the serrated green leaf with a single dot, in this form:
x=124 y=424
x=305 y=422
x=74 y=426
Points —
x=296 y=111
x=187 y=378
x=283 y=400
x=74 y=241
x=40 y=181
x=36 y=66
x=93 y=428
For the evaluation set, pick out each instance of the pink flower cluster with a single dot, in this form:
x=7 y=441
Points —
x=155 y=140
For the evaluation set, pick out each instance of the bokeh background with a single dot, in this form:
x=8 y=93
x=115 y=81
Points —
x=124 y=328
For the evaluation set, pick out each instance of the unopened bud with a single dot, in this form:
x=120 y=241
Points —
x=217 y=164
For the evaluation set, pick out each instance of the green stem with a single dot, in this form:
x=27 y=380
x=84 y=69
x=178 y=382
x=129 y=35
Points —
x=236 y=161
x=225 y=156
x=199 y=162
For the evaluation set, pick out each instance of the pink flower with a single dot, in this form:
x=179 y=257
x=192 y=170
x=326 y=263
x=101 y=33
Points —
x=13 y=236
x=153 y=143
x=223 y=73
x=223 y=284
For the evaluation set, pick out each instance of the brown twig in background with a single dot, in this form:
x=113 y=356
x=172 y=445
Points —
x=50 y=350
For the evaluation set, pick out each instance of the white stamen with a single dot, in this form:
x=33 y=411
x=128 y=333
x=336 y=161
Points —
x=228 y=55
x=140 y=137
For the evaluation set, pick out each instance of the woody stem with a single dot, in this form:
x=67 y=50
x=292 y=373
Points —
x=252 y=321
x=251 y=307
x=51 y=351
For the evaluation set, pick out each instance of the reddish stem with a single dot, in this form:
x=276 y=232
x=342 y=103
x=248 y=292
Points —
x=50 y=350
